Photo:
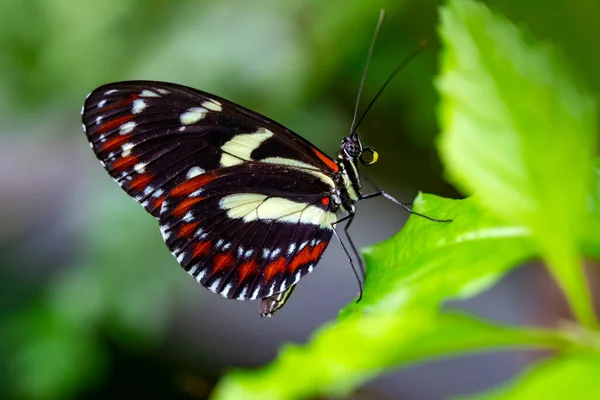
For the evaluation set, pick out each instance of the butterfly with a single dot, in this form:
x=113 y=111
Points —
x=246 y=206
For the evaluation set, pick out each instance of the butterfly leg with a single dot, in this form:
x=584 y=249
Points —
x=350 y=260
x=361 y=264
x=403 y=205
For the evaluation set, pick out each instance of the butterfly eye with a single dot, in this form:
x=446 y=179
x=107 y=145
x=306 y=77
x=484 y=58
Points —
x=369 y=156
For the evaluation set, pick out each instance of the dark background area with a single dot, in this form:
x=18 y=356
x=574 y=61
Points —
x=93 y=306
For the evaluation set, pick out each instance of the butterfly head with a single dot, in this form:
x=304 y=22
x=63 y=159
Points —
x=352 y=150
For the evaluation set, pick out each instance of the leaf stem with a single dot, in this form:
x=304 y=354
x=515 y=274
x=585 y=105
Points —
x=569 y=272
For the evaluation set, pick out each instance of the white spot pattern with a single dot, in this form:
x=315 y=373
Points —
x=194 y=171
x=193 y=115
x=138 y=106
x=127 y=149
x=148 y=93
x=140 y=167
x=212 y=105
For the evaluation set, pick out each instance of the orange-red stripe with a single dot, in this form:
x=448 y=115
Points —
x=274 y=268
x=202 y=249
x=140 y=181
x=123 y=102
x=307 y=255
x=114 y=123
x=186 y=229
x=125 y=162
x=222 y=261
x=185 y=205
x=191 y=185
x=246 y=269
x=326 y=160
x=115 y=142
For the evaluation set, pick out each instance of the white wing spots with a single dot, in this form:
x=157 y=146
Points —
x=240 y=147
x=271 y=290
x=226 y=289
x=254 y=207
x=138 y=106
x=196 y=193
x=266 y=253
x=192 y=271
x=219 y=244
x=240 y=251
x=275 y=253
x=212 y=105
x=158 y=193
x=111 y=91
x=226 y=246
x=310 y=268
x=127 y=149
x=188 y=216
x=181 y=129
x=199 y=232
x=214 y=286
x=297 y=277
x=255 y=294
x=148 y=93
x=83 y=127
x=149 y=189
x=101 y=103
x=140 y=168
x=180 y=258
x=127 y=127
x=98 y=119
x=291 y=249
x=242 y=294
x=193 y=115
x=248 y=253
x=200 y=275
x=194 y=171
x=303 y=245
x=283 y=285
x=162 y=91
x=82 y=109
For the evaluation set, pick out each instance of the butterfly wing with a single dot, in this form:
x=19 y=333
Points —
x=153 y=136
x=251 y=230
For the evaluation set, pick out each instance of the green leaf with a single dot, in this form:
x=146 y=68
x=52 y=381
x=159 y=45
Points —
x=429 y=262
x=591 y=235
x=520 y=131
x=340 y=357
x=568 y=377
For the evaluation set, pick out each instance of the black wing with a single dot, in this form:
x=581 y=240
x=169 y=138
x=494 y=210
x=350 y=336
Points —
x=248 y=231
x=153 y=136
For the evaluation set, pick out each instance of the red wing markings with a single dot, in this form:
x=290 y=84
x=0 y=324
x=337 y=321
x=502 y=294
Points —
x=232 y=257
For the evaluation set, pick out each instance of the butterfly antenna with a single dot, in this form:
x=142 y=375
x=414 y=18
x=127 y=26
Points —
x=364 y=74
x=399 y=68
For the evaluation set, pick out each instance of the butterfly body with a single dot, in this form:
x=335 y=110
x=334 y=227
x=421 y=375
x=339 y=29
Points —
x=246 y=206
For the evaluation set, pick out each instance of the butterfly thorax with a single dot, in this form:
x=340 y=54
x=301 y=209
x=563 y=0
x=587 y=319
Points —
x=347 y=185
x=347 y=179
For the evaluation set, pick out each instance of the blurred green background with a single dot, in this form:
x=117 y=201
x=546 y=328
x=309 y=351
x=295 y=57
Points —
x=92 y=303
